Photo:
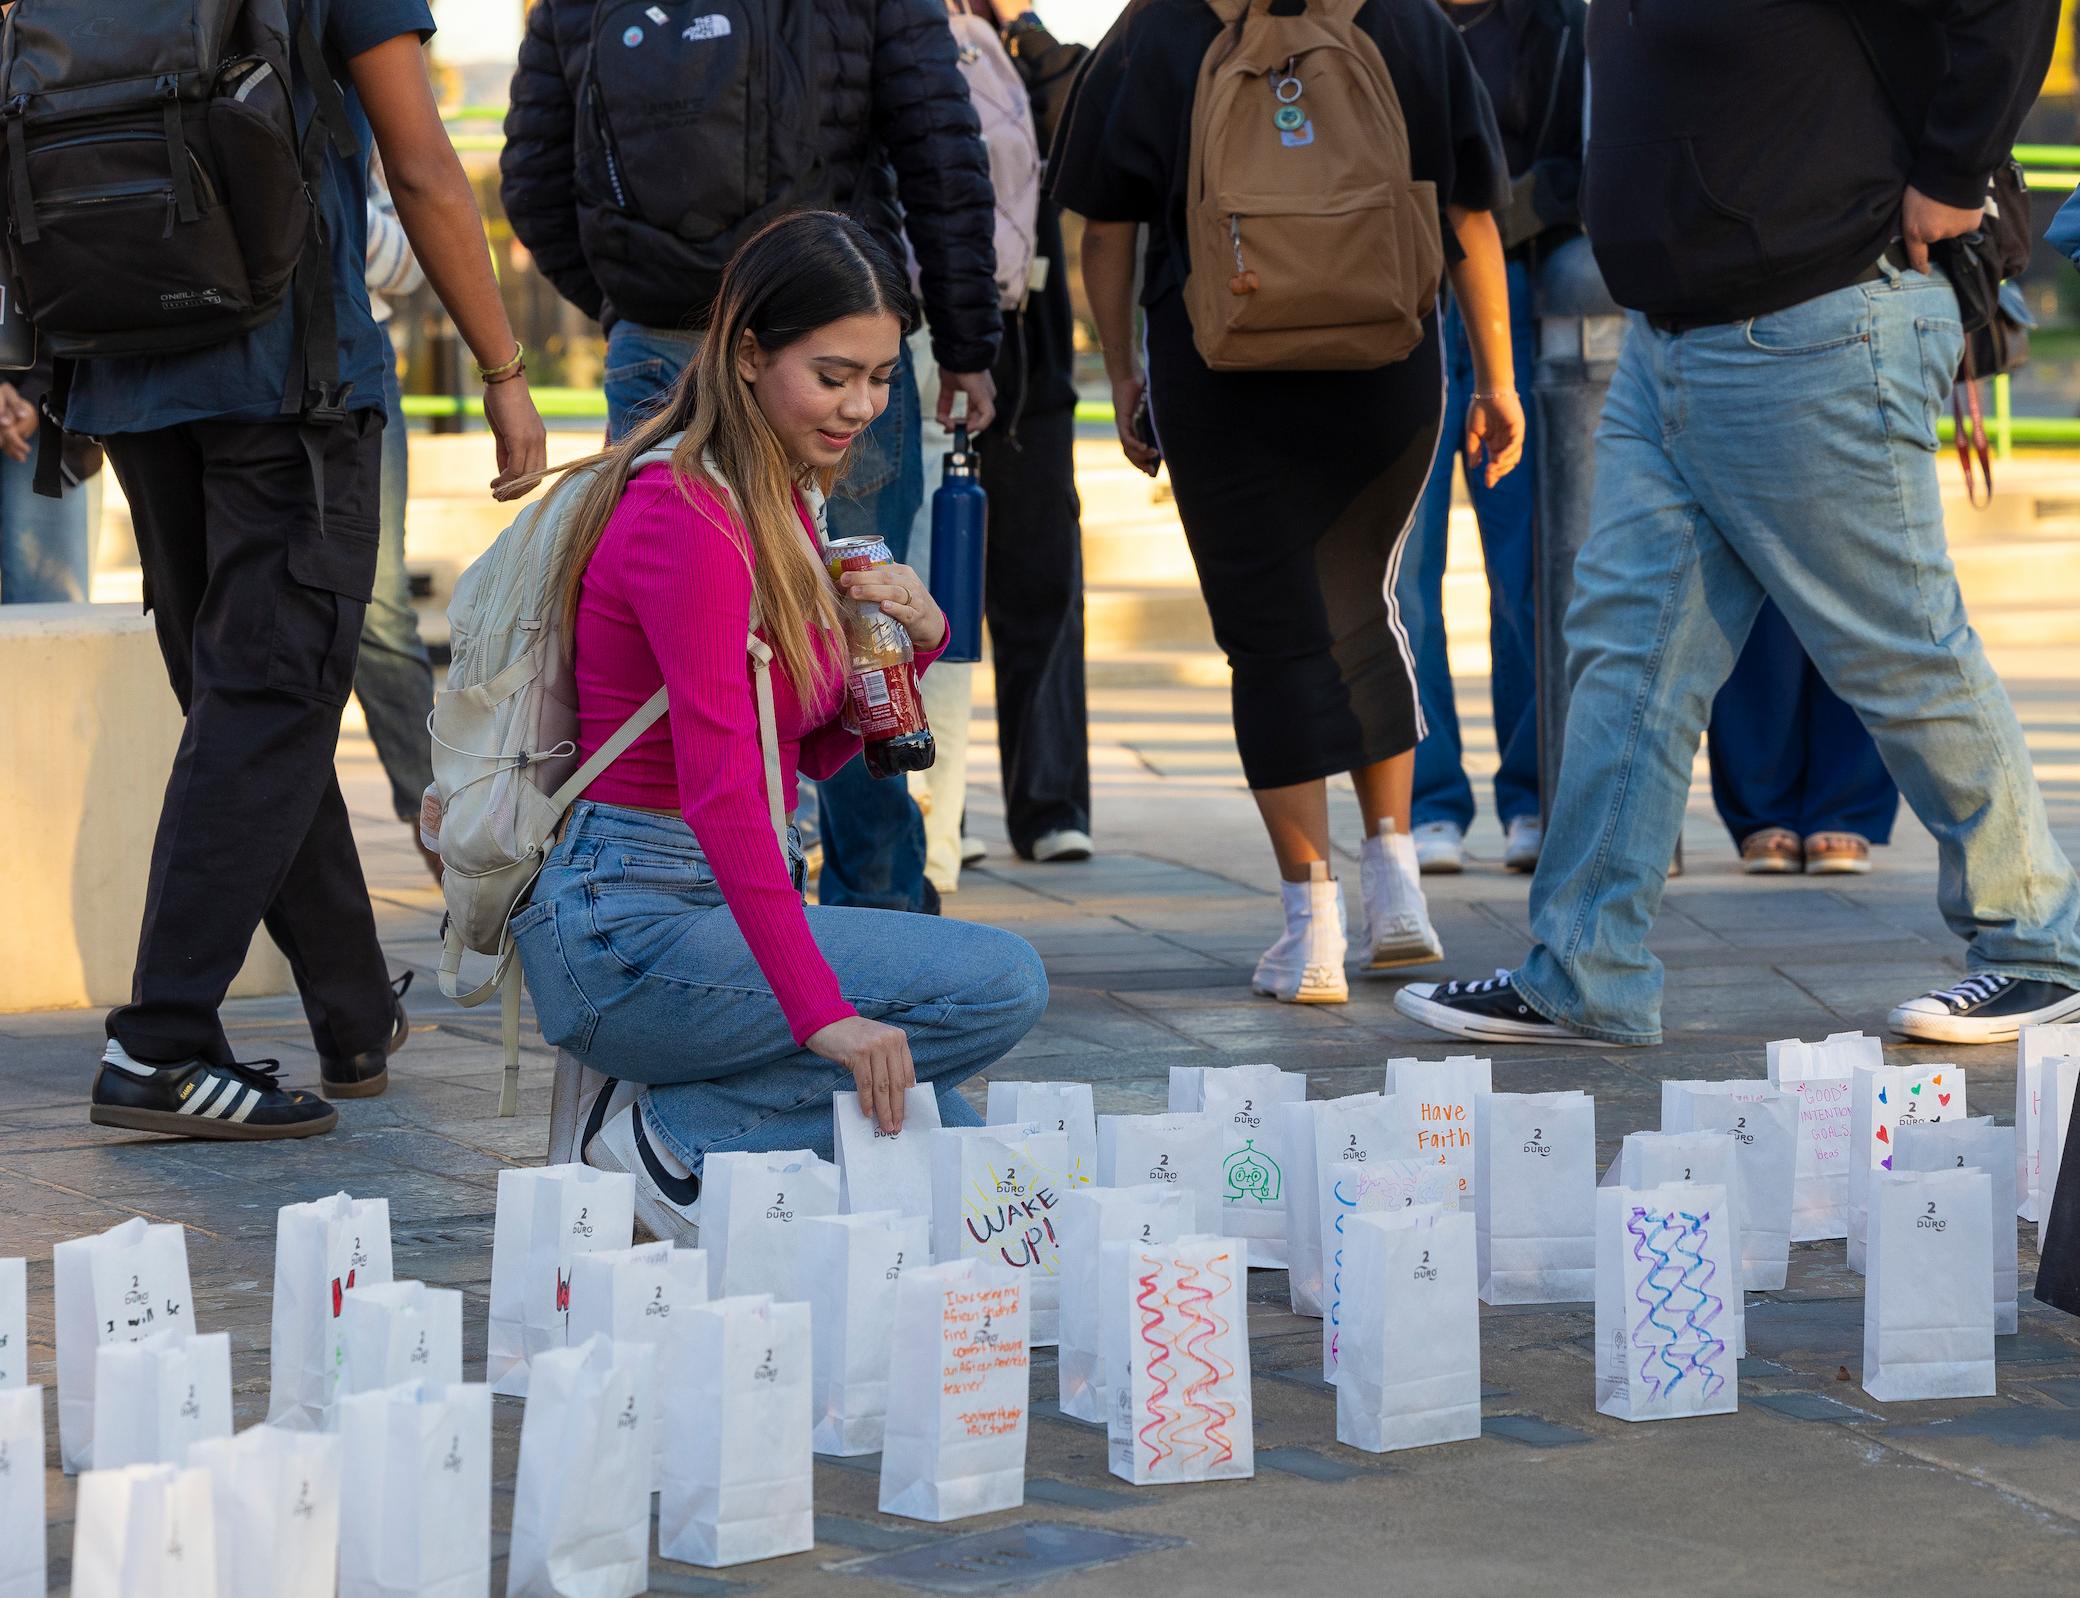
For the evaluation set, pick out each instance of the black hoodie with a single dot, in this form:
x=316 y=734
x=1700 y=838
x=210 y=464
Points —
x=1745 y=155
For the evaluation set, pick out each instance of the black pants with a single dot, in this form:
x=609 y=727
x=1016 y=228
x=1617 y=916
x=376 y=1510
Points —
x=258 y=609
x=1033 y=601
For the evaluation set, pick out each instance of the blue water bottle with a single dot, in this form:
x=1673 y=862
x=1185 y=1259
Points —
x=960 y=530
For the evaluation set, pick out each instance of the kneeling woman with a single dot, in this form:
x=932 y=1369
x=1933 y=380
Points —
x=701 y=1006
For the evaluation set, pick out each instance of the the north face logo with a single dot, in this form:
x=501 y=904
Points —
x=712 y=26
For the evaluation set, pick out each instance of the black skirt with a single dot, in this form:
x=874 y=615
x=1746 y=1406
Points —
x=1297 y=490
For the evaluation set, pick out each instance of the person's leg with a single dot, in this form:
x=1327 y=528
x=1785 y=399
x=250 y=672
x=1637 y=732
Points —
x=1845 y=529
x=1661 y=606
x=46 y=554
x=1507 y=513
x=252 y=825
x=1034 y=604
x=873 y=833
x=1441 y=791
x=1758 y=738
x=947 y=690
x=392 y=675
x=1847 y=786
x=642 y=364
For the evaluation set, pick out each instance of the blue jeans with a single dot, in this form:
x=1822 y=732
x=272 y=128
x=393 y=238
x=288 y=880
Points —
x=392 y=676
x=45 y=553
x=1442 y=792
x=1791 y=456
x=1785 y=750
x=636 y=965
x=872 y=831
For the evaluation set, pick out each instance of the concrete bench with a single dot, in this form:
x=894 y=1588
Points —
x=88 y=728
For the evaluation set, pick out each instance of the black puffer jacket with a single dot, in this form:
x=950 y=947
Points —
x=902 y=146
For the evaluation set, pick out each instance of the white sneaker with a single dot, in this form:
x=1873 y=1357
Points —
x=1305 y=966
x=1397 y=917
x=973 y=850
x=1526 y=836
x=668 y=1206
x=1063 y=844
x=1440 y=848
x=580 y=1100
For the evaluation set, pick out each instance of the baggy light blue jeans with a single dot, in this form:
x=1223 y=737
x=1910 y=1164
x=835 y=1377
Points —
x=636 y=965
x=1792 y=455
x=46 y=545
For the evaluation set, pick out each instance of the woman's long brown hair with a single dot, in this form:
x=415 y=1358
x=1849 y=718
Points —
x=798 y=274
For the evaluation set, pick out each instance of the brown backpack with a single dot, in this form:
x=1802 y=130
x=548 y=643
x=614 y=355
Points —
x=1312 y=248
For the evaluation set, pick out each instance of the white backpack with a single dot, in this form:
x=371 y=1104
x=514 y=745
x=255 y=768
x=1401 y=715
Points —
x=1006 y=113
x=505 y=745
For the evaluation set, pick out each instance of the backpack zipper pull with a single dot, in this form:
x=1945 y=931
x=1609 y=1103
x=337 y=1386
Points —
x=1244 y=281
x=172 y=207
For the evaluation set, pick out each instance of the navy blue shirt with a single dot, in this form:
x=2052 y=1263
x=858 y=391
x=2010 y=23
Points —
x=242 y=378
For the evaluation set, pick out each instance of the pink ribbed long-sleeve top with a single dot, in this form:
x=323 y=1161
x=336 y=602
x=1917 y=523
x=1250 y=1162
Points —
x=667 y=599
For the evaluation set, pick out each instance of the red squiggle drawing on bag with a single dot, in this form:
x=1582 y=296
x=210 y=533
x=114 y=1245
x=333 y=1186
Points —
x=1152 y=1320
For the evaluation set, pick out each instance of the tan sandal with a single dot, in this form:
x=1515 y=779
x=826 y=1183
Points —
x=1837 y=854
x=1772 y=852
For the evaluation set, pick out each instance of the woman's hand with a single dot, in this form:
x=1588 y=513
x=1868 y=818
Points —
x=1495 y=426
x=18 y=422
x=1129 y=397
x=878 y=1056
x=523 y=442
x=902 y=595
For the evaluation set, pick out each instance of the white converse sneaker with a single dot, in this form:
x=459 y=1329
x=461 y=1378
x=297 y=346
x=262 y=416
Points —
x=1440 y=848
x=668 y=1205
x=580 y=1100
x=1305 y=966
x=1397 y=917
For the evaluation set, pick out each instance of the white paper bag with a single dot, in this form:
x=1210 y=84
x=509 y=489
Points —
x=880 y=1170
x=1535 y=1197
x=1242 y=1099
x=1880 y=1098
x=14 y=1323
x=1088 y=1219
x=1063 y=1107
x=752 y=1209
x=1927 y=1308
x=1761 y=1122
x=277 y=1495
x=1374 y=1187
x=1819 y=1076
x=1438 y=1100
x=1321 y=1137
x=1180 y=1149
x=321 y=1249
x=581 y=1499
x=958 y=1392
x=738 y=1473
x=994 y=1198
x=850 y=1265
x=156 y=1398
x=400 y=1332
x=2059 y=1080
x=118 y=1286
x=1408 y=1370
x=145 y=1531
x=1667 y=1288
x=415 y=1519
x=2036 y=1045
x=22 y=1572
x=1177 y=1351
x=547 y=1216
x=1649 y=1160
x=1976 y=1143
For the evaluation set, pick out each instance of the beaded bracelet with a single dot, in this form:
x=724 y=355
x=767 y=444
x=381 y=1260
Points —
x=511 y=369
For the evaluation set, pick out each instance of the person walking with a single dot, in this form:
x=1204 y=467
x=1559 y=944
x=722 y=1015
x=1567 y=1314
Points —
x=1296 y=487
x=1795 y=776
x=632 y=208
x=1771 y=433
x=669 y=913
x=393 y=678
x=1528 y=54
x=257 y=529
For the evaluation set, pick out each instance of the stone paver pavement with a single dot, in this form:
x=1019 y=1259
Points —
x=1811 y=1485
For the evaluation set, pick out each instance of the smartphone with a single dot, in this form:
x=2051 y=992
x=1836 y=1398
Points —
x=1144 y=433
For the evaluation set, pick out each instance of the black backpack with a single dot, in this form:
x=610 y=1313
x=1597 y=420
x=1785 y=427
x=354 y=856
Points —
x=158 y=194
x=697 y=124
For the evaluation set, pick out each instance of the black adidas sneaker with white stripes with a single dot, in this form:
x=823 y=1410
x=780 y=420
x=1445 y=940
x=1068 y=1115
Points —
x=235 y=1103
x=1987 y=1008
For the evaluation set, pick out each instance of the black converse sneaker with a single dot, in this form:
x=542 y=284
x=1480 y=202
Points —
x=1987 y=1008
x=1488 y=1011
x=241 y=1103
